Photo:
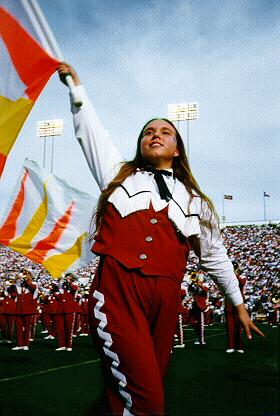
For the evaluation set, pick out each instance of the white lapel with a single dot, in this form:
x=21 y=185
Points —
x=135 y=194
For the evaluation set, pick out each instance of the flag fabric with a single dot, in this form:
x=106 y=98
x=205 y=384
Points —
x=228 y=197
x=25 y=68
x=48 y=221
x=266 y=195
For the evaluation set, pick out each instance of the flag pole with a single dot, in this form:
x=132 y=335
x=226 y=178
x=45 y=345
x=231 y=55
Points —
x=48 y=40
x=223 y=217
x=264 y=207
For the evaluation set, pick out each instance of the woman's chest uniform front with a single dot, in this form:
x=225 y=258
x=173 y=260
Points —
x=143 y=241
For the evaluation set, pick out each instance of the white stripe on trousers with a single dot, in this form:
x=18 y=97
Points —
x=202 y=339
x=109 y=353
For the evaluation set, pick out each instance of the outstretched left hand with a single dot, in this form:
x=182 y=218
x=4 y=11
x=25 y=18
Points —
x=246 y=322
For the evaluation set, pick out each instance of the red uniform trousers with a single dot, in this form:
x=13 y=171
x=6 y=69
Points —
x=26 y=308
x=24 y=324
x=84 y=317
x=234 y=328
x=197 y=320
x=64 y=323
x=47 y=317
x=179 y=327
x=48 y=323
x=65 y=316
x=10 y=325
x=7 y=319
x=133 y=318
x=2 y=320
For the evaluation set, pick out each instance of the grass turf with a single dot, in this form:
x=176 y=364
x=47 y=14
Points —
x=200 y=381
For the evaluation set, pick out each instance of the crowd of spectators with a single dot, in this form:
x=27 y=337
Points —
x=255 y=248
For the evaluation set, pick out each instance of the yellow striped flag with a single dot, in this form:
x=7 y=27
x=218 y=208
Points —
x=48 y=221
x=25 y=68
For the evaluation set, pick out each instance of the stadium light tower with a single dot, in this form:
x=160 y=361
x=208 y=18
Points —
x=183 y=112
x=49 y=128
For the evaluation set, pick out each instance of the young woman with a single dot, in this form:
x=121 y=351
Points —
x=150 y=213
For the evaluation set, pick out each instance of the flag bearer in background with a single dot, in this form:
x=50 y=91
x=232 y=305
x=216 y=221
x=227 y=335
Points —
x=151 y=210
x=234 y=328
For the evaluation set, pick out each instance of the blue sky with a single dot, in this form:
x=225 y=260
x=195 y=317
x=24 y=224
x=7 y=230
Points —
x=136 y=57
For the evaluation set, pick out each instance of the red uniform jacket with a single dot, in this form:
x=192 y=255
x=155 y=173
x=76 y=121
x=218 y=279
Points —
x=56 y=303
x=68 y=301
x=10 y=300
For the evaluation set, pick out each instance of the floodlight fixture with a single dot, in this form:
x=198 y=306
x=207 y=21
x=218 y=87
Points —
x=49 y=128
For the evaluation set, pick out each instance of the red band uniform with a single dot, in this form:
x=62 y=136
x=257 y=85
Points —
x=10 y=310
x=65 y=316
x=199 y=289
x=233 y=325
x=26 y=308
x=133 y=302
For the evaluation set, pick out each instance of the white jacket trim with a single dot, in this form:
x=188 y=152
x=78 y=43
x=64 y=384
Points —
x=135 y=194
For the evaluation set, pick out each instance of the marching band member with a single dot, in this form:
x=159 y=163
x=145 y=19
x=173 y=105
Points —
x=179 y=335
x=65 y=316
x=2 y=316
x=10 y=296
x=84 y=314
x=199 y=289
x=26 y=308
x=150 y=212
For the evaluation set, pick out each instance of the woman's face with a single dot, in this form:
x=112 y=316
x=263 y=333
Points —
x=158 y=144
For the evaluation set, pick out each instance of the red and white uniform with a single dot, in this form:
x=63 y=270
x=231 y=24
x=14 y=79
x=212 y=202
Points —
x=47 y=317
x=84 y=315
x=9 y=311
x=234 y=327
x=133 y=302
x=26 y=308
x=199 y=306
x=65 y=315
x=181 y=313
x=55 y=309
x=2 y=316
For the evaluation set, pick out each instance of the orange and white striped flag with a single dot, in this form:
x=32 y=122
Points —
x=25 y=67
x=48 y=221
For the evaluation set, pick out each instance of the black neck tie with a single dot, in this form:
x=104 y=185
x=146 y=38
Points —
x=162 y=187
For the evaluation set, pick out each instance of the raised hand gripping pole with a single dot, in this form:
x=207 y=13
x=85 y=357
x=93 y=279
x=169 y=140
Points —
x=76 y=99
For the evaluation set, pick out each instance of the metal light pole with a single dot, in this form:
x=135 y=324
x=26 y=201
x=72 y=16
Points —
x=265 y=195
x=229 y=197
x=183 y=112
x=224 y=215
x=49 y=128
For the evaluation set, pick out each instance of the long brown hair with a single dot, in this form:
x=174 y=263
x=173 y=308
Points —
x=180 y=167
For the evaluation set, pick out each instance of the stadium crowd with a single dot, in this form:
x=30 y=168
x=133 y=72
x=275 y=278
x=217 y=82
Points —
x=29 y=294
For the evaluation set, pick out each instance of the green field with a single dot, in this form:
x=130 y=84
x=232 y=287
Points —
x=200 y=381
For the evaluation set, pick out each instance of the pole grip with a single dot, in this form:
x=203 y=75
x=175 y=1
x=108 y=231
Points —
x=76 y=99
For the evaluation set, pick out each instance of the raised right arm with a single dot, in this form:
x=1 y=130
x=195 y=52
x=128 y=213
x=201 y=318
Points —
x=103 y=158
